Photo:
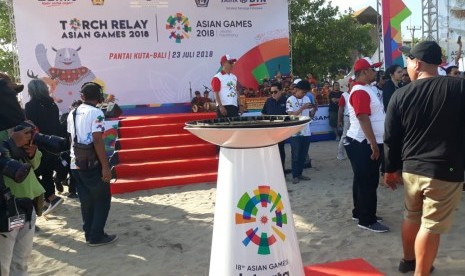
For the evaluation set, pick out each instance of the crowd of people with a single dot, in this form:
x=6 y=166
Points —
x=407 y=124
x=39 y=153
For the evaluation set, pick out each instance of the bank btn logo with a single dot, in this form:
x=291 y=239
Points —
x=263 y=208
x=178 y=27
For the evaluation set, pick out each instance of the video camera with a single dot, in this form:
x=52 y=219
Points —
x=51 y=143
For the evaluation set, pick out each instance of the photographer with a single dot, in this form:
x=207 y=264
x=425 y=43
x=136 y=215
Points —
x=16 y=240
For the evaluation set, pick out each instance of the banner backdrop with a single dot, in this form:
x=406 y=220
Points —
x=148 y=52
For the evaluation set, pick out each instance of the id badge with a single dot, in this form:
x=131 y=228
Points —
x=16 y=222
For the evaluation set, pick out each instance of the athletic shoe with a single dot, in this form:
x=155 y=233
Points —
x=378 y=219
x=107 y=239
x=375 y=227
x=407 y=266
x=296 y=180
x=303 y=177
x=53 y=204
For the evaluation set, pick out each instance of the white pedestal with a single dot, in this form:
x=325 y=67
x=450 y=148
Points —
x=254 y=232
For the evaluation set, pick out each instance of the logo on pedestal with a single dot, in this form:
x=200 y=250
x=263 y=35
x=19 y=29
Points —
x=262 y=209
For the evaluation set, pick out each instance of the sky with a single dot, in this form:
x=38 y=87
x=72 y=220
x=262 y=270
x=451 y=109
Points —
x=413 y=5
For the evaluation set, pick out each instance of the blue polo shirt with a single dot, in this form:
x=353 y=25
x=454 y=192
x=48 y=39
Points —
x=275 y=107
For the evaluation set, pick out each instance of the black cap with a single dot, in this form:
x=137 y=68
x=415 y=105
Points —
x=303 y=84
x=427 y=51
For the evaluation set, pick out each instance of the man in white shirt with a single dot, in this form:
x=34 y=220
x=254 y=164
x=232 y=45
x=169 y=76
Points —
x=299 y=105
x=85 y=125
x=224 y=87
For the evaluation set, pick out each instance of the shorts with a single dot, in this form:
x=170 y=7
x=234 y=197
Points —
x=333 y=119
x=430 y=202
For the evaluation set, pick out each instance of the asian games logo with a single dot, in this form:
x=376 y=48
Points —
x=178 y=27
x=259 y=211
x=75 y=24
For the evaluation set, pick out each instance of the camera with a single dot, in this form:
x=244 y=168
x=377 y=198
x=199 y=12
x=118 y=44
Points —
x=51 y=143
x=11 y=168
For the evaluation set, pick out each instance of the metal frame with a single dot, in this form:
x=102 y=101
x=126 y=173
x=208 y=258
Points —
x=430 y=30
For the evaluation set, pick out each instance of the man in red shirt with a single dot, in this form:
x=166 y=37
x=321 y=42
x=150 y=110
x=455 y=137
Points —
x=363 y=144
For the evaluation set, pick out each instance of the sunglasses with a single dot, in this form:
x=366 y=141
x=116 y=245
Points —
x=411 y=57
x=274 y=91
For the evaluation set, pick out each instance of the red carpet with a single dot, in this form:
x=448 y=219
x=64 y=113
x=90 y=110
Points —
x=354 y=267
x=155 y=151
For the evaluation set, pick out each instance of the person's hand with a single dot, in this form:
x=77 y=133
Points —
x=392 y=180
x=339 y=124
x=374 y=151
x=241 y=109
x=223 y=110
x=22 y=137
x=30 y=150
x=106 y=175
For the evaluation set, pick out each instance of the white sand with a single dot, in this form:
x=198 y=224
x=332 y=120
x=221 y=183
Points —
x=168 y=231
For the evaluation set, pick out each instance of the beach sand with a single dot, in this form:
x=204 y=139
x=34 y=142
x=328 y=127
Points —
x=168 y=231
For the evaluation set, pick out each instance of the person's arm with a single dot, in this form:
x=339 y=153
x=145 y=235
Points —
x=97 y=129
x=297 y=112
x=216 y=87
x=367 y=129
x=99 y=147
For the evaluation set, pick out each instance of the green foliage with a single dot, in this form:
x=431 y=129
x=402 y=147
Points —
x=6 y=54
x=323 y=40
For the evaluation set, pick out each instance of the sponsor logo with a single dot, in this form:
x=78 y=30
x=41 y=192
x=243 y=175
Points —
x=178 y=27
x=201 y=3
x=262 y=211
x=56 y=3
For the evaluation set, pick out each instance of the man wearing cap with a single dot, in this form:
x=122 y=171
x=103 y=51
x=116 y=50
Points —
x=85 y=126
x=224 y=87
x=363 y=144
x=299 y=105
x=424 y=148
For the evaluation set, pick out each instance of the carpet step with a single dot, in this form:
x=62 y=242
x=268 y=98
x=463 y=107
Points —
x=166 y=168
x=164 y=119
x=151 y=130
x=166 y=153
x=137 y=183
x=158 y=140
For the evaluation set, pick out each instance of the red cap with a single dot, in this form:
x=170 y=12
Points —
x=365 y=64
x=227 y=58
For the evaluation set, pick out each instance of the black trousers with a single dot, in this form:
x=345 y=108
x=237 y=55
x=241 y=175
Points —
x=231 y=111
x=366 y=179
x=44 y=173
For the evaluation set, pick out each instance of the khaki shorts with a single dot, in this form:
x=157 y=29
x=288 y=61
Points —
x=431 y=202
